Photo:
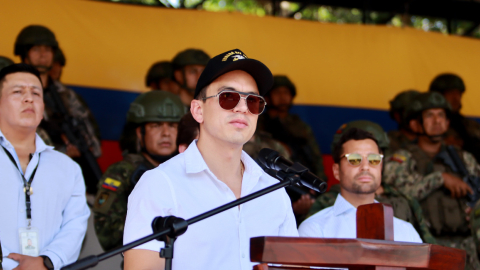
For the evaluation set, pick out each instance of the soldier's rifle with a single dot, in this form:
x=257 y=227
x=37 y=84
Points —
x=453 y=160
x=74 y=129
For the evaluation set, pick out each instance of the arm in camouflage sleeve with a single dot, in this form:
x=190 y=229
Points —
x=110 y=208
x=472 y=166
x=400 y=172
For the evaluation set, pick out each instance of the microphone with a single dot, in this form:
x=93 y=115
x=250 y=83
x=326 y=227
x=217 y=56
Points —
x=274 y=161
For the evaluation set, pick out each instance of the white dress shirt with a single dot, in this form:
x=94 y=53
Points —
x=185 y=187
x=59 y=207
x=340 y=221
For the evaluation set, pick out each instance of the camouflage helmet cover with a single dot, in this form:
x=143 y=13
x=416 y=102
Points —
x=190 y=57
x=156 y=106
x=282 y=80
x=375 y=129
x=401 y=101
x=34 y=35
x=5 y=61
x=425 y=101
x=447 y=81
x=158 y=71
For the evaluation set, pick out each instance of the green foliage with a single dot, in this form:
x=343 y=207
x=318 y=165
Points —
x=315 y=13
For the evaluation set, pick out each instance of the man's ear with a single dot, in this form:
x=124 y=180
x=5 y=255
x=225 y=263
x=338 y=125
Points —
x=336 y=171
x=415 y=126
x=178 y=74
x=196 y=108
x=138 y=131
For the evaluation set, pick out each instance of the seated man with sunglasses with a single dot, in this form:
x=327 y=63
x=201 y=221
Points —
x=211 y=172
x=358 y=167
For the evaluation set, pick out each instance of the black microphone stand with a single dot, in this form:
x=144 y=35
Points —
x=172 y=227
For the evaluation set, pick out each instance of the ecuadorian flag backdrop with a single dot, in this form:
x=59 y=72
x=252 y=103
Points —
x=342 y=72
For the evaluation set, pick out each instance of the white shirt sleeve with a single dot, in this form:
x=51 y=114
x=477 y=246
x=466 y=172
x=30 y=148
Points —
x=65 y=247
x=152 y=196
x=289 y=227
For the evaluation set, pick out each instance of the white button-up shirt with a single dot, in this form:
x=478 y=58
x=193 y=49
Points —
x=185 y=187
x=340 y=221
x=59 y=207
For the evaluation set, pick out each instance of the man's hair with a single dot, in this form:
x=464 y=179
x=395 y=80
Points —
x=188 y=129
x=15 y=68
x=202 y=94
x=351 y=134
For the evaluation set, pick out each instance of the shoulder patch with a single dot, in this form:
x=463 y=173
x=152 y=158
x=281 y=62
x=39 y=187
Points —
x=398 y=158
x=111 y=184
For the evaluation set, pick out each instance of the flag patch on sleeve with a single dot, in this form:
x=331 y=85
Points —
x=111 y=184
x=398 y=158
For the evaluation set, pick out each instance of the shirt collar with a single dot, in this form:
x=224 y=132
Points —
x=195 y=163
x=40 y=146
x=341 y=205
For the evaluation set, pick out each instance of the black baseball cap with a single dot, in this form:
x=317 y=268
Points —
x=235 y=60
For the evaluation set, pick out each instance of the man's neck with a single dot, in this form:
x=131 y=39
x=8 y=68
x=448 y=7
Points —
x=23 y=140
x=224 y=160
x=357 y=199
x=426 y=144
x=274 y=113
x=44 y=78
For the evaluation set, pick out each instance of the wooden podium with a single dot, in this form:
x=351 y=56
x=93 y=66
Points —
x=374 y=248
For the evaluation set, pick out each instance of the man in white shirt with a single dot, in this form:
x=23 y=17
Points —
x=358 y=166
x=211 y=172
x=44 y=211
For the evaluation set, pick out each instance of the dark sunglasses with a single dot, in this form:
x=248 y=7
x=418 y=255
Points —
x=355 y=159
x=228 y=99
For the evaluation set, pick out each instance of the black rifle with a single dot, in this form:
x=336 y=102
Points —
x=74 y=129
x=453 y=160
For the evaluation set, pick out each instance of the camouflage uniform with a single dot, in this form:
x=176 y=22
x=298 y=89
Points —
x=397 y=141
x=110 y=208
x=298 y=136
x=262 y=140
x=44 y=135
x=418 y=175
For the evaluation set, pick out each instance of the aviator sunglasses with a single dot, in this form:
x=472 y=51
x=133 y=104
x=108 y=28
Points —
x=228 y=99
x=355 y=159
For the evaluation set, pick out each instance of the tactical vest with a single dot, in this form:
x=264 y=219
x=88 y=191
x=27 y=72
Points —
x=445 y=215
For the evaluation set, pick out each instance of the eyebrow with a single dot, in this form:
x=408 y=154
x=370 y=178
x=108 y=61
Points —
x=23 y=86
x=233 y=89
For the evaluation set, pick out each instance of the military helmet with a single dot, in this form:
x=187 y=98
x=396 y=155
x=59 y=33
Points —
x=190 y=57
x=425 y=101
x=156 y=106
x=5 y=61
x=34 y=35
x=375 y=129
x=158 y=71
x=59 y=57
x=447 y=81
x=401 y=101
x=282 y=80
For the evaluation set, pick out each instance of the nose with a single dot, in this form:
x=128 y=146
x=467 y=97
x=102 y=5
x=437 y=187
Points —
x=165 y=130
x=242 y=105
x=364 y=166
x=28 y=97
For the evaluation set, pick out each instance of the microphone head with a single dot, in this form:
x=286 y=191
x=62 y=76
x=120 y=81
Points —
x=267 y=157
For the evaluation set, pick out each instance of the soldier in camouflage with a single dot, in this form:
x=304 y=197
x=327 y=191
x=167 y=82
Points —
x=463 y=132
x=188 y=65
x=160 y=77
x=155 y=116
x=404 y=207
x=420 y=171
x=36 y=45
x=403 y=136
x=59 y=62
x=289 y=128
